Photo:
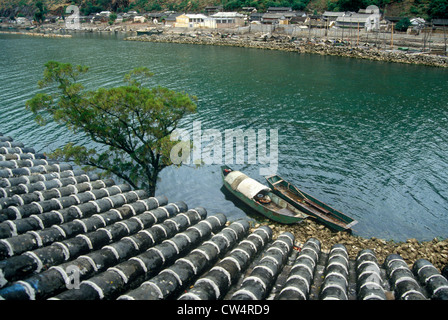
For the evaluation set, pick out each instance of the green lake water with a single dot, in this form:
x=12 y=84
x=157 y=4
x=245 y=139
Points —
x=368 y=138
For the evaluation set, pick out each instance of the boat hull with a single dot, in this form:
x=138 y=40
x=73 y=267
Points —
x=263 y=209
x=317 y=209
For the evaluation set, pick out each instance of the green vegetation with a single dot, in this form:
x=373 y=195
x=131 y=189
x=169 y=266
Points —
x=403 y=24
x=438 y=9
x=134 y=122
x=263 y=5
x=39 y=15
x=112 y=18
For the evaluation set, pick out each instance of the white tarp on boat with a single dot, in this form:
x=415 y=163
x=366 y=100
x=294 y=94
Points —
x=242 y=183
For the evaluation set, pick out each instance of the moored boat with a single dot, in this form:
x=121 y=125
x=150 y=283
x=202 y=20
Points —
x=308 y=204
x=260 y=197
x=148 y=32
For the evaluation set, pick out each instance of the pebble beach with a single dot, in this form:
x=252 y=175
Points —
x=435 y=251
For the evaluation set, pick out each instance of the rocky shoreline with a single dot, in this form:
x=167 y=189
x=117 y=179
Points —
x=365 y=49
x=38 y=34
x=290 y=44
x=435 y=251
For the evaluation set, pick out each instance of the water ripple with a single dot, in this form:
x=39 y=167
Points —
x=367 y=138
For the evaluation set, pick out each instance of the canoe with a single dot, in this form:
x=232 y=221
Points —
x=148 y=32
x=260 y=197
x=308 y=204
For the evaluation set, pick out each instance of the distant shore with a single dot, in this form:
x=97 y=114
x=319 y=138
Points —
x=38 y=34
x=405 y=49
x=288 y=43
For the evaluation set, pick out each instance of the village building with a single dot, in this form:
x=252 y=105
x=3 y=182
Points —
x=277 y=18
x=215 y=21
x=367 y=21
x=228 y=20
x=298 y=20
x=418 y=23
x=440 y=24
x=314 y=21
x=170 y=20
x=22 y=21
x=102 y=16
x=332 y=16
x=139 y=19
x=255 y=17
x=368 y=18
x=352 y=21
x=154 y=17
x=51 y=19
x=192 y=21
x=119 y=19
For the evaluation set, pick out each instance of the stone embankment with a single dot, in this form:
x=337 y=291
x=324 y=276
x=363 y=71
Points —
x=291 y=44
x=364 y=47
x=435 y=251
x=60 y=29
x=38 y=34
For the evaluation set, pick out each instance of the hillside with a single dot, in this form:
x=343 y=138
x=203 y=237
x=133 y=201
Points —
x=410 y=8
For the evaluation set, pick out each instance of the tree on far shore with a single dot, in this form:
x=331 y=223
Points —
x=403 y=24
x=134 y=122
x=39 y=15
x=438 y=9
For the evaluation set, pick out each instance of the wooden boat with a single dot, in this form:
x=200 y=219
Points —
x=260 y=198
x=310 y=205
x=149 y=31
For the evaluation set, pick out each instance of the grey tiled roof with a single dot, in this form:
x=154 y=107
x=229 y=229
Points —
x=69 y=235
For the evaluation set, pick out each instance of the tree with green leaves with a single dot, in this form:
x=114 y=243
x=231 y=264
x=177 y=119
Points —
x=39 y=15
x=438 y=9
x=133 y=122
x=403 y=24
x=112 y=18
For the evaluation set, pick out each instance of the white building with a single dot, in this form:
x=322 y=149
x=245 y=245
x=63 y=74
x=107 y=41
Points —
x=368 y=19
x=332 y=16
x=227 y=20
x=418 y=23
x=217 y=20
x=192 y=21
x=22 y=20
x=139 y=19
